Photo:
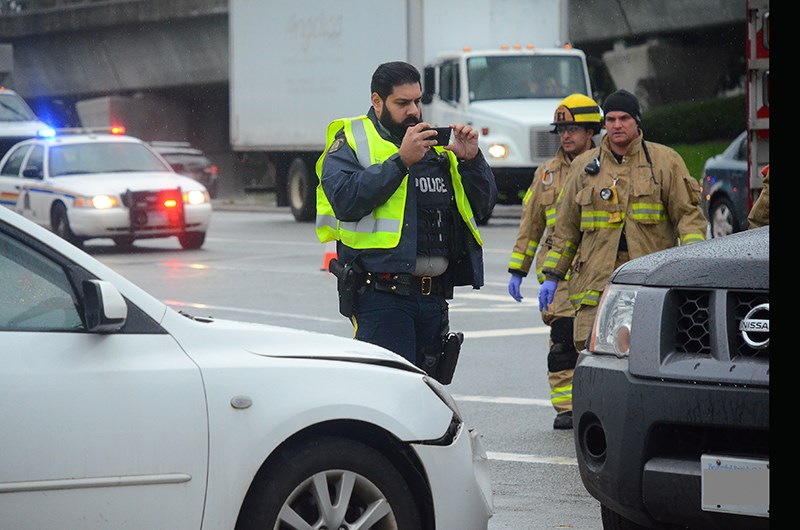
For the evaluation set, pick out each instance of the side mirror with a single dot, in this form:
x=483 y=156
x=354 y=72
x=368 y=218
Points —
x=32 y=173
x=104 y=308
x=178 y=167
x=429 y=84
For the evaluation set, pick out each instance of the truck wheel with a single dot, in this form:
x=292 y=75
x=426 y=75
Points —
x=723 y=218
x=614 y=521
x=301 y=188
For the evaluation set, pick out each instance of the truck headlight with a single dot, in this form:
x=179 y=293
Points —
x=498 y=150
x=611 y=332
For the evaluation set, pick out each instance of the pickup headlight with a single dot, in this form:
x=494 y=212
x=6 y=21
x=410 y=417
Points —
x=611 y=332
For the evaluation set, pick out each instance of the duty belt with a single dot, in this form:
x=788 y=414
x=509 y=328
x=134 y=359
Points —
x=404 y=284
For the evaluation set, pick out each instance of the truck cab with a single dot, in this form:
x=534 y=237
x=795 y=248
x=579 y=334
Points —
x=508 y=95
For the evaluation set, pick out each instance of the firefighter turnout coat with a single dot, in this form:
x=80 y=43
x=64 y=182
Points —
x=649 y=196
x=536 y=229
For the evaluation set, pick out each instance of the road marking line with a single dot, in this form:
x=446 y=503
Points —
x=532 y=459
x=490 y=333
x=505 y=400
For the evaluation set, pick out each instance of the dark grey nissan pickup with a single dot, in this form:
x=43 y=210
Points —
x=671 y=397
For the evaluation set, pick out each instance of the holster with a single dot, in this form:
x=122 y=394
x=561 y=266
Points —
x=349 y=280
x=440 y=362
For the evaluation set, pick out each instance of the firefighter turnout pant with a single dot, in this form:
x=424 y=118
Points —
x=561 y=363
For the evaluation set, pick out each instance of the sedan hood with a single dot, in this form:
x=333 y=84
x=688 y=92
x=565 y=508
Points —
x=118 y=183
x=277 y=341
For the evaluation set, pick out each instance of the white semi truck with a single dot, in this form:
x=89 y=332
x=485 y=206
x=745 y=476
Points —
x=498 y=65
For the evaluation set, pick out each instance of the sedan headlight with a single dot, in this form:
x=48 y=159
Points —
x=611 y=332
x=444 y=395
x=100 y=202
x=196 y=197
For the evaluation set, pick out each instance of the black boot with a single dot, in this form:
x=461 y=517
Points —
x=563 y=420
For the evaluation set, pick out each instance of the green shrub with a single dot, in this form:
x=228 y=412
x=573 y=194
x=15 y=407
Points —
x=691 y=122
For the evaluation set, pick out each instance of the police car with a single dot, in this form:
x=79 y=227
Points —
x=84 y=184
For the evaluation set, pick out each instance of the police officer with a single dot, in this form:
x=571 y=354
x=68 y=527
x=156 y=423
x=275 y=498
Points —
x=577 y=119
x=403 y=210
x=622 y=200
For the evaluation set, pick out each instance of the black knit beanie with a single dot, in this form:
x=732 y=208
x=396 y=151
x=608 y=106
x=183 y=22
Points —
x=623 y=101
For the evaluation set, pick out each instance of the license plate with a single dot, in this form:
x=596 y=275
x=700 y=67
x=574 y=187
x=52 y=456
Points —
x=735 y=485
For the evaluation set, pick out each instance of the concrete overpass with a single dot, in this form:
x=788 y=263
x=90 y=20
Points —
x=145 y=59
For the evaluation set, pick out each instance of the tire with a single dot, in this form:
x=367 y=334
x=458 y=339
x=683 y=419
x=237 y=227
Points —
x=614 y=521
x=287 y=488
x=723 y=218
x=301 y=190
x=192 y=240
x=123 y=241
x=60 y=225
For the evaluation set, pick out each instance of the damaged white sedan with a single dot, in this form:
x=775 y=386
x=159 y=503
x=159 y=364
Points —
x=120 y=412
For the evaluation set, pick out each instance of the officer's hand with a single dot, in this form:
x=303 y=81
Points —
x=465 y=141
x=514 y=283
x=546 y=293
x=416 y=143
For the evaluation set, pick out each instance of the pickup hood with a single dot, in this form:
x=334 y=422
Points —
x=117 y=183
x=529 y=112
x=737 y=261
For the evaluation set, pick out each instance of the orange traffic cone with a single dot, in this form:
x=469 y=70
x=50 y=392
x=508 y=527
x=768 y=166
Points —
x=330 y=253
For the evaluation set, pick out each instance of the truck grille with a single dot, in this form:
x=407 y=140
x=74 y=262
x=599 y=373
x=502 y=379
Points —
x=544 y=144
x=694 y=325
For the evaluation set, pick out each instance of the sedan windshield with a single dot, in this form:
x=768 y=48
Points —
x=106 y=157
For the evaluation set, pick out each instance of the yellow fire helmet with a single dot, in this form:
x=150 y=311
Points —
x=578 y=109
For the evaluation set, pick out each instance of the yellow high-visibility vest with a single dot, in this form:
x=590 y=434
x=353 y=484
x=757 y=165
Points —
x=382 y=227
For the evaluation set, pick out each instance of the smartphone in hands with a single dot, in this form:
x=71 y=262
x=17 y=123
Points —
x=442 y=135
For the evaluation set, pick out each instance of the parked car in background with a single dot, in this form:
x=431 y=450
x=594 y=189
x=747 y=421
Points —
x=727 y=192
x=671 y=397
x=84 y=185
x=119 y=412
x=189 y=161
x=18 y=121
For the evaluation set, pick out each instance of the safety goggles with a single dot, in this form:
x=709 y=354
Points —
x=571 y=129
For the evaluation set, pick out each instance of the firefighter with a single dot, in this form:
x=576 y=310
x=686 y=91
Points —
x=403 y=211
x=759 y=213
x=577 y=119
x=624 y=199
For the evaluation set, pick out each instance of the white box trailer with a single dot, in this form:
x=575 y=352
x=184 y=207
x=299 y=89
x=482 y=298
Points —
x=295 y=66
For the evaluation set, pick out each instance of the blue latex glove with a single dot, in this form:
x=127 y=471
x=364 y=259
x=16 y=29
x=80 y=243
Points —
x=546 y=293
x=514 y=284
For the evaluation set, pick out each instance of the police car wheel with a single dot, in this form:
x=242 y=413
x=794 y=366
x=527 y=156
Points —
x=286 y=490
x=60 y=224
x=192 y=240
